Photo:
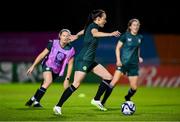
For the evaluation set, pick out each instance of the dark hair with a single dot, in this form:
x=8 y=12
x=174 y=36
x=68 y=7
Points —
x=130 y=23
x=93 y=15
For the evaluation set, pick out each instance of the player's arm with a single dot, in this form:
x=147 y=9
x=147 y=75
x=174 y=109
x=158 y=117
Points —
x=140 y=58
x=80 y=33
x=37 y=60
x=74 y=37
x=118 y=51
x=97 y=33
x=69 y=71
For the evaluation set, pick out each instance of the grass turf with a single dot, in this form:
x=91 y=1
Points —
x=152 y=104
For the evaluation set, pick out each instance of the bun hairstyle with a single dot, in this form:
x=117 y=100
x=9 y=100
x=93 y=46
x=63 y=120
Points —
x=93 y=15
x=96 y=13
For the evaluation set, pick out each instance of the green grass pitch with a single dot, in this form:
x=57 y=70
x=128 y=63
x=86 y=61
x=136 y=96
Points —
x=153 y=104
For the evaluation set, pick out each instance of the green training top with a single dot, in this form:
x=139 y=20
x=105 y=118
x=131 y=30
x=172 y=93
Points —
x=129 y=51
x=90 y=44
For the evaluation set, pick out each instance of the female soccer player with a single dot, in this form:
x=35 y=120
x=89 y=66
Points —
x=54 y=58
x=127 y=59
x=85 y=61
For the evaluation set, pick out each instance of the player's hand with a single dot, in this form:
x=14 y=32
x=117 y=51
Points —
x=66 y=84
x=29 y=71
x=116 y=33
x=140 y=59
x=73 y=37
x=118 y=63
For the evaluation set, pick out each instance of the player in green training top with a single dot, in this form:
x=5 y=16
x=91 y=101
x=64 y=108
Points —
x=85 y=61
x=128 y=59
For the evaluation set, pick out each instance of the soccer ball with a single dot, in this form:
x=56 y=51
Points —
x=128 y=108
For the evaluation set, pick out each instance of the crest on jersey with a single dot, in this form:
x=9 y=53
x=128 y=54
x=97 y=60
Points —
x=129 y=39
x=85 y=68
x=139 y=40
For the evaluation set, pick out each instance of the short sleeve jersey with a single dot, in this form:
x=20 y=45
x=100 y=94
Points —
x=131 y=45
x=90 y=44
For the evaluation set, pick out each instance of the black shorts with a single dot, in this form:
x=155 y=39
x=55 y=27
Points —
x=129 y=70
x=45 y=68
x=85 y=66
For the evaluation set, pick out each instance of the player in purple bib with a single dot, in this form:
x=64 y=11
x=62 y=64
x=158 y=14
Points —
x=54 y=58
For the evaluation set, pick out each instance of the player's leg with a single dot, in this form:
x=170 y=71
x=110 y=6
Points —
x=115 y=79
x=107 y=77
x=48 y=79
x=41 y=91
x=133 y=80
x=78 y=77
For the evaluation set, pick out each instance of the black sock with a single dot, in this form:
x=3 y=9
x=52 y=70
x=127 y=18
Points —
x=66 y=94
x=39 y=94
x=102 y=87
x=107 y=94
x=131 y=92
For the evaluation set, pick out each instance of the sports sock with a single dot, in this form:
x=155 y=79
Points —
x=102 y=87
x=39 y=94
x=32 y=98
x=36 y=102
x=107 y=94
x=131 y=92
x=66 y=94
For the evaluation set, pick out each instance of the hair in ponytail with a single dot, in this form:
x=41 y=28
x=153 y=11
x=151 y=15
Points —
x=93 y=15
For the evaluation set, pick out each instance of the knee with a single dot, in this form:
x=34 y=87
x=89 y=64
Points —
x=76 y=84
x=107 y=77
x=46 y=84
x=134 y=86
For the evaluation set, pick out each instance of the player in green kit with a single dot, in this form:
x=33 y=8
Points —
x=127 y=59
x=85 y=61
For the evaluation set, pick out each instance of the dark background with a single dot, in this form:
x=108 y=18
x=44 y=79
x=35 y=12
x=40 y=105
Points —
x=155 y=16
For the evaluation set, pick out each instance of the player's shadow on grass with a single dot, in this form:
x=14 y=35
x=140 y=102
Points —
x=108 y=109
x=113 y=109
x=57 y=117
x=75 y=106
x=30 y=109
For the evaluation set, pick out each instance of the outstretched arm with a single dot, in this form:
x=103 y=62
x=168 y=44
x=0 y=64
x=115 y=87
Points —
x=37 y=60
x=80 y=33
x=96 y=33
x=74 y=37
